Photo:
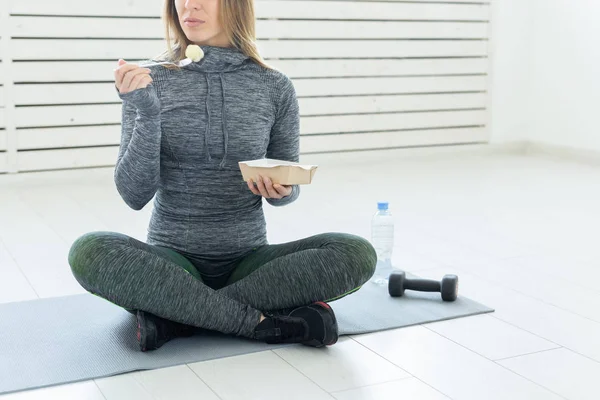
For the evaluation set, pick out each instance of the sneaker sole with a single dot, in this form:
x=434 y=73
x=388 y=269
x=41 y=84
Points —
x=142 y=335
x=331 y=333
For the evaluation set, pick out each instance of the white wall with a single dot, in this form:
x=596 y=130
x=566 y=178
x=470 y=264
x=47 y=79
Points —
x=545 y=85
x=510 y=55
x=566 y=84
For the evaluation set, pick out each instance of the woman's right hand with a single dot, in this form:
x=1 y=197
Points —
x=129 y=77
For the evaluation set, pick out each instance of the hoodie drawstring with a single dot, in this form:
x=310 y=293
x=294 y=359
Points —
x=223 y=118
x=224 y=123
x=207 y=131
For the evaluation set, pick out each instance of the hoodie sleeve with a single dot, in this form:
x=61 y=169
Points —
x=137 y=170
x=284 y=143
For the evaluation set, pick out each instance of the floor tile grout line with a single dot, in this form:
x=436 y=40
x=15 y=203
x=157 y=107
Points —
x=135 y=375
x=302 y=373
x=541 y=337
x=554 y=275
x=500 y=365
x=19 y=268
x=100 y=390
x=597 y=294
x=499 y=319
x=373 y=384
x=550 y=251
x=203 y=381
x=390 y=361
x=132 y=375
x=504 y=286
x=494 y=315
x=529 y=354
x=461 y=345
x=548 y=340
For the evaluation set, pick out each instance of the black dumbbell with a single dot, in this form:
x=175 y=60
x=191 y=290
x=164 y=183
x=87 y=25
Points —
x=398 y=283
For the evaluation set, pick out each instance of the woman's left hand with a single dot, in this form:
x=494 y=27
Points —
x=264 y=187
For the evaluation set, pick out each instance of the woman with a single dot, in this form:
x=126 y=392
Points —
x=206 y=262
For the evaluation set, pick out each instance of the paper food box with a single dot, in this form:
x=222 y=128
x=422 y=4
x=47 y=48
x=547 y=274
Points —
x=281 y=172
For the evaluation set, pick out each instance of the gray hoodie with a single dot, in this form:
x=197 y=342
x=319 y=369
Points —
x=181 y=140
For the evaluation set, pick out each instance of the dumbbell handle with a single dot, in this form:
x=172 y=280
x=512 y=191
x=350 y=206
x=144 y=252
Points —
x=423 y=285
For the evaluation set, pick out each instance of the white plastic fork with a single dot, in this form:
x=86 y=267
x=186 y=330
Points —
x=182 y=63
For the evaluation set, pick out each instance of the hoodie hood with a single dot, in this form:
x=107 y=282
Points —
x=219 y=59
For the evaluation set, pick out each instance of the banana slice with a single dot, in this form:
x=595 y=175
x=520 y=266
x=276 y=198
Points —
x=194 y=53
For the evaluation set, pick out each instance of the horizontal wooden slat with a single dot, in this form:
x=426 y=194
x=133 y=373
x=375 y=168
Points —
x=3 y=162
x=386 y=140
x=49 y=138
x=2 y=103
x=372 y=48
x=89 y=71
x=2 y=138
x=66 y=158
x=106 y=156
x=282 y=29
x=379 y=122
x=67 y=115
x=354 y=86
x=426 y=1
x=129 y=8
x=77 y=93
x=267 y=9
x=329 y=68
x=81 y=27
x=2 y=117
x=73 y=49
x=391 y=103
x=45 y=116
x=69 y=27
x=319 y=9
x=68 y=93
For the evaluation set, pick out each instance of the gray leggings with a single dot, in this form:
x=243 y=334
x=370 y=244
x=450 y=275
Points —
x=139 y=276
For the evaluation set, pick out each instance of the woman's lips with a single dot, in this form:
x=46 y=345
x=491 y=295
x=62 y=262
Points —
x=192 y=22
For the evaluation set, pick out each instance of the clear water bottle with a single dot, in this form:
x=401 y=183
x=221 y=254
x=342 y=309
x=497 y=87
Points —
x=382 y=238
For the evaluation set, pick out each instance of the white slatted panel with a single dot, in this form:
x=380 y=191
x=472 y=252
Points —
x=319 y=9
x=383 y=122
x=76 y=93
x=4 y=80
x=369 y=74
x=94 y=71
x=69 y=27
x=384 y=140
x=73 y=49
x=80 y=116
x=105 y=156
x=91 y=114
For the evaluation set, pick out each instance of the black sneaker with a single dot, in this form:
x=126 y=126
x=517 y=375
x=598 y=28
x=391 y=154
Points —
x=313 y=325
x=153 y=331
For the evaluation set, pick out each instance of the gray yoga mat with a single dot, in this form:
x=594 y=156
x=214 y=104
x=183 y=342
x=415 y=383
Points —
x=75 y=338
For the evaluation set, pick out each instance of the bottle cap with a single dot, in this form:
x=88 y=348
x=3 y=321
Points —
x=382 y=206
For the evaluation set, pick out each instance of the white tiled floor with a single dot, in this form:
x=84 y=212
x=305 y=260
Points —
x=521 y=232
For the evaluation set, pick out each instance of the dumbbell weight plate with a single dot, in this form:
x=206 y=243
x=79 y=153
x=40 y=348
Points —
x=395 y=284
x=449 y=287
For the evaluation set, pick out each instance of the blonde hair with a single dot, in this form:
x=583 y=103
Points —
x=237 y=19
